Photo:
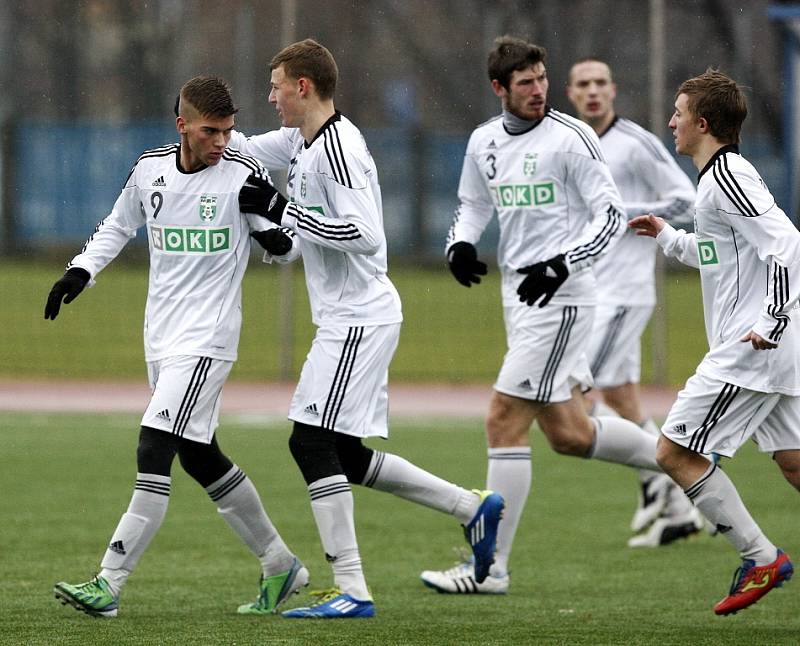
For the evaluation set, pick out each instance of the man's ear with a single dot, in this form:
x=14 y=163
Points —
x=702 y=124
x=498 y=88
x=180 y=125
x=304 y=86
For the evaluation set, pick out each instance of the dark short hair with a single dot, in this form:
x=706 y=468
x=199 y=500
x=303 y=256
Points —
x=311 y=60
x=510 y=55
x=589 y=59
x=209 y=95
x=718 y=99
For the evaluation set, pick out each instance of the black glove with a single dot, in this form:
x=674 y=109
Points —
x=464 y=264
x=543 y=279
x=274 y=241
x=260 y=197
x=67 y=287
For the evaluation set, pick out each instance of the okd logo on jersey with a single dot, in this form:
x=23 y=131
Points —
x=190 y=240
x=516 y=195
x=707 y=252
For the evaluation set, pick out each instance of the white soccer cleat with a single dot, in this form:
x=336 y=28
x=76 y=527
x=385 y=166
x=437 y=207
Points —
x=461 y=580
x=652 y=500
x=668 y=529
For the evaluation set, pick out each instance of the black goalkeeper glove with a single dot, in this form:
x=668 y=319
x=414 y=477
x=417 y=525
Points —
x=462 y=259
x=260 y=197
x=274 y=241
x=67 y=287
x=543 y=279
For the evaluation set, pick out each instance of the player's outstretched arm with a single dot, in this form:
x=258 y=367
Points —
x=67 y=288
x=647 y=225
x=259 y=196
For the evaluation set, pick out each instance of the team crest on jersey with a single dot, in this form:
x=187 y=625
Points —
x=208 y=207
x=303 y=186
x=707 y=252
x=529 y=164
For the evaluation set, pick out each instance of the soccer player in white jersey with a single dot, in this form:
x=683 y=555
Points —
x=545 y=175
x=649 y=181
x=336 y=213
x=748 y=384
x=186 y=195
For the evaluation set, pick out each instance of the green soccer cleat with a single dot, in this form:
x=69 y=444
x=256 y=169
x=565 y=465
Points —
x=276 y=589
x=93 y=597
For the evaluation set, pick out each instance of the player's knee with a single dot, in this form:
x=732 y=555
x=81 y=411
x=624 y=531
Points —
x=155 y=451
x=205 y=463
x=314 y=450
x=667 y=455
x=789 y=463
x=354 y=457
x=569 y=444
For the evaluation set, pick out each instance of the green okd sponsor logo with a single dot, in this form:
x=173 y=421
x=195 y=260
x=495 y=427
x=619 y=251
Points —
x=516 y=195
x=707 y=252
x=190 y=239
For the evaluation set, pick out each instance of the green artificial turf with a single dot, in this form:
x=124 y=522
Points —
x=66 y=479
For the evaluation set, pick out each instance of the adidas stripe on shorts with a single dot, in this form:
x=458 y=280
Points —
x=546 y=356
x=713 y=416
x=344 y=382
x=187 y=393
x=614 y=352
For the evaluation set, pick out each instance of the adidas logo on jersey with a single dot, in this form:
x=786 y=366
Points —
x=160 y=182
x=525 y=385
x=311 y=409
x=680 y=429
x=164 y=415
x=492 y=144
x=117 y=547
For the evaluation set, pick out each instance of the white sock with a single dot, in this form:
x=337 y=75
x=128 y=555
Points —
x=599 y=407
x=509 y=474
x=396 y=475
x=239 y=504
x=136 y=529
x=716 y=497
x=332 y=506
x=621 y=441
x=651 y=428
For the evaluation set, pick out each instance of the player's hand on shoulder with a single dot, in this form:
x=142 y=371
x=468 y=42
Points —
x=259 y=196
x=67 y=289
x=542 y=280
x=647 y=225
x=462 y=258
x=276 y=241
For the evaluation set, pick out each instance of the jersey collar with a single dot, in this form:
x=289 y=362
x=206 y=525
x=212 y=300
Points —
x=180 y=168
x=610 y=125
x=728 y=148
x=337 y=116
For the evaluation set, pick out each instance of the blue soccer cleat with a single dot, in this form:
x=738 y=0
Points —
x=333 y=604
x=481 y=532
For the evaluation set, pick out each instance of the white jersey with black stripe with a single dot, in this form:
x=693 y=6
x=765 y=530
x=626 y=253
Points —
x=199 y=246
x=649 y=181
x=336 y=211
x=748 y=253
x=553 y=194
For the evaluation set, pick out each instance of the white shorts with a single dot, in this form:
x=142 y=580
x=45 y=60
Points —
x=546 y=356
x=344 y=382
x=615 y=356
x=712 y=416
x=187 y=393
